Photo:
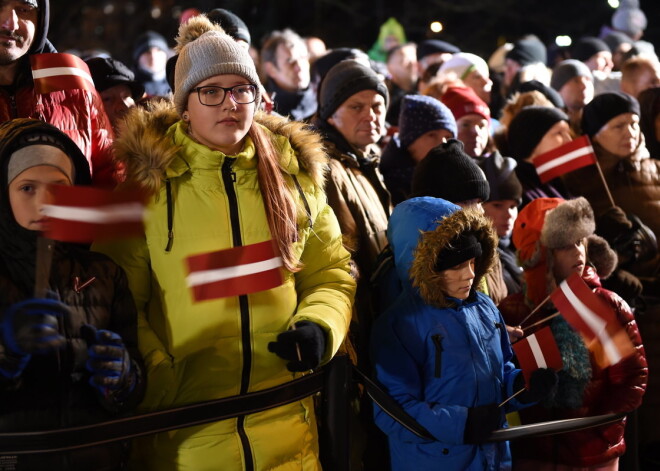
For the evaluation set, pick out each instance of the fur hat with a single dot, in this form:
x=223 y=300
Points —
x=528 y=127
x=205 y=50
x=421 y=114
x=447 y=172
x=604 y=107
x=345 y=80
x=463 y=101
x=566 y=70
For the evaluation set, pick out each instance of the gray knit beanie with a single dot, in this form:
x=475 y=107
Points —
x=566 y=70
x=205 y=50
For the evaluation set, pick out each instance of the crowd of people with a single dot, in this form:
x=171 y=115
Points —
x=399 y=190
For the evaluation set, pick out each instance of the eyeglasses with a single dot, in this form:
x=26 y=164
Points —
x=212 y=95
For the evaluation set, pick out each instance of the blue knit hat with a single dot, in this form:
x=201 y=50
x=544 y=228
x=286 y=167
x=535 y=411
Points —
x=421 y=114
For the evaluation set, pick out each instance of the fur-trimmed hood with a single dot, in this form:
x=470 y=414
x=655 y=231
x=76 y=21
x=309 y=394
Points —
x=420 y=228
x=151 y=157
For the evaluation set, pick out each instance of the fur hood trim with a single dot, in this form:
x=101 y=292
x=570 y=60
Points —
x=423 y=274
x=150 y=156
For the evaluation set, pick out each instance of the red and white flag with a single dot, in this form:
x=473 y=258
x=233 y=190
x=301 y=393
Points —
x=59 y=71
x=86 y=214
x=563 y=159
x=236 y=271
x=594 y=319
x=538 y=350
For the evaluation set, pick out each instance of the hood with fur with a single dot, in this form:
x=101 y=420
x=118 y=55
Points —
x=150 y=156
x=420 y=228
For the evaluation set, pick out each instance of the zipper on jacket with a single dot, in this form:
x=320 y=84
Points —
x=437 y=341
x=229 y=179
x=12 y=104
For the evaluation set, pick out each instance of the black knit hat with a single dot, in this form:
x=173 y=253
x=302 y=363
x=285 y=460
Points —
x=566 y=70
x=528 y=51
x=604 y=107
x=462 y=248
x=550 y=93
x=147 y=40
x=231 y=23
x=434 y=46
x=345 y=80
x=614 y=39
x=588 y=46
x=502 y=179
x=528 y=128
x=107 y=72
x=447 y=172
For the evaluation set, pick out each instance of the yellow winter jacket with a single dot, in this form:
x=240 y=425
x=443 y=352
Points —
x=213 y=349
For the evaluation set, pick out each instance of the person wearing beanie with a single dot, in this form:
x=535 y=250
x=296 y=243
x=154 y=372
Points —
x=555 y=239
x=547 y=91
x=150 y=54
x=424 y=123
x=594 y=53
x=440 y=350
x=472 y=119
x=434 y=51
x=286 y=67
x=43 y=343
x=619 y=43
x=575 y=83
x=232 y=24
x=117 y=85
x=536 y=130
x=502 y=209
x=526 y=53
x=220 y=175
x=470 y=69
x=630 y=19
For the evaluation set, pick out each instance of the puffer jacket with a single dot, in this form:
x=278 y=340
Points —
x=617 y=388
x=634 y=182
x=219 y=348
x=438 y=356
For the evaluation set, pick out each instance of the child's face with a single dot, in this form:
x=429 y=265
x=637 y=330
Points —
x=569 y=259
x=457 y=280
x=30 y=190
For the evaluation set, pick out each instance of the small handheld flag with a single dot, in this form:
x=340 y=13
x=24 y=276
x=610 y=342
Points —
x=594 y=319
x=86 y=214
x=563 y=159
x=538 y=350
x=232 y=272
x=59 y=71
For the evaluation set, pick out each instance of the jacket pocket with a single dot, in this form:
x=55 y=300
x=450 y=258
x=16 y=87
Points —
x=437 y=342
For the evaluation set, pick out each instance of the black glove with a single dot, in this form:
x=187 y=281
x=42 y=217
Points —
x=303 y=346
x=481 y=422
x=108 y=361
x=542 y=383
x=625 y=284
x=31 y=326
x=612 y=223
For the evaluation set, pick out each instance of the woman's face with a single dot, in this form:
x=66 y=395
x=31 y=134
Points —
x=457 y=281
x=568 y=260
x=559 y=134
x=222 y=127
x=30 y=190
x=620 y=136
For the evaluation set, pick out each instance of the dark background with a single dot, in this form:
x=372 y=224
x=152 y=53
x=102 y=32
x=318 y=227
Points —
x=477 y=26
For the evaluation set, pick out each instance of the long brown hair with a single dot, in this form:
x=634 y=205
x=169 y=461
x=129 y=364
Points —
x=281 y=209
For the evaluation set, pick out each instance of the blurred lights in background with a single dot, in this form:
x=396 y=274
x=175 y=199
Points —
x=436 y=26
x=563 y=41
x=613 y=3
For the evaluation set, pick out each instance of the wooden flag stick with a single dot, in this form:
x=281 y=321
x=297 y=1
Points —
x=607 y=189
x=293 y=327
x=43 y=265
x=534 y=311
x=511 y=397
x=542 y=321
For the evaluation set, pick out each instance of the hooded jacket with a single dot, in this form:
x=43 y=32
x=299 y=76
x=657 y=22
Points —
x=437 y=356
x=219 y=348
x=76 y=112
x=53 y=390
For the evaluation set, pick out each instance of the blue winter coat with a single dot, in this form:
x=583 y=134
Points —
x=438 y=356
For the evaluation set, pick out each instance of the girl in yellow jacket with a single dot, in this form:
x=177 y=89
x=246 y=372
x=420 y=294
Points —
x=221 y=177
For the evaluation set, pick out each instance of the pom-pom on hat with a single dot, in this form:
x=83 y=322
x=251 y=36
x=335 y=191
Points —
x=604 y=107
x=421 y=114
x=447 y=172
x=204 y=51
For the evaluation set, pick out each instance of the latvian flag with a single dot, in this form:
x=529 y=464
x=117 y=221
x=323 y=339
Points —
x=85 y=214
x=538 y=350
x=59 y=71
x=563 y=159
x=236 y=271
x=594 y=319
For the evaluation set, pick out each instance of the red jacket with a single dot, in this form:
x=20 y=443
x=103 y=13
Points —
x=79 y=114
x=618 y=388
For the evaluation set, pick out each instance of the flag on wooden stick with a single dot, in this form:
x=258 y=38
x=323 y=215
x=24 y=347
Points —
x=538 y=350
x=563 y=159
